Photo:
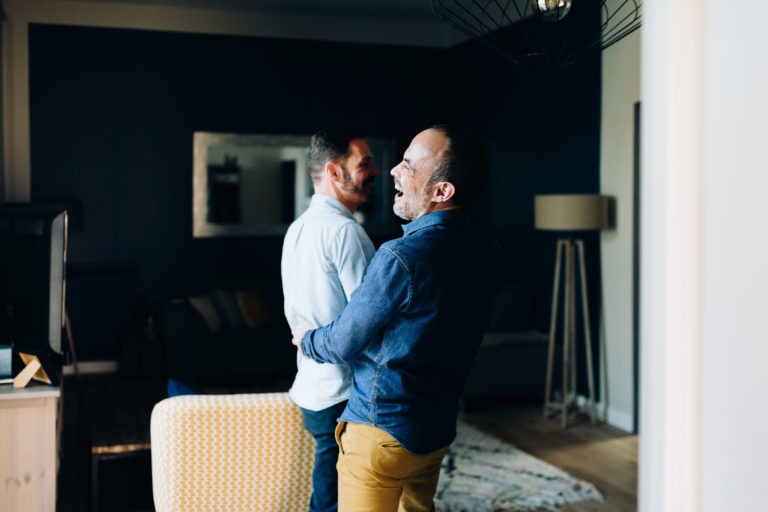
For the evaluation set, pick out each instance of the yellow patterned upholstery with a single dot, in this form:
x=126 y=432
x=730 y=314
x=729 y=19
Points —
x=239 y=452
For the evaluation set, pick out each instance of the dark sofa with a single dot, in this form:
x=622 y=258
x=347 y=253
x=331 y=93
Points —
x=513 y=355
x=229 y=334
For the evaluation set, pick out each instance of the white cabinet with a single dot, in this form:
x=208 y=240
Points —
x=28 y=448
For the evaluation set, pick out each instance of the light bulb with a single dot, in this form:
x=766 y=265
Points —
x=553 y=10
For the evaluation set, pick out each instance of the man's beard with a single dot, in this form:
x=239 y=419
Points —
x=365 y=191
x=408 y=208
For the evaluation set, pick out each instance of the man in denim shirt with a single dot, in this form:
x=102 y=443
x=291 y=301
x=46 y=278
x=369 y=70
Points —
x=412 y=329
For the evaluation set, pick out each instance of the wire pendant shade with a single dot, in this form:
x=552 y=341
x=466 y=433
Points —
x=559 y=32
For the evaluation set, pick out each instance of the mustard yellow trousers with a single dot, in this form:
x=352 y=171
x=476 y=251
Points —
x=376 y=474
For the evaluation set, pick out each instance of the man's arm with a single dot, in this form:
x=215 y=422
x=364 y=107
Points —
x=385 y=290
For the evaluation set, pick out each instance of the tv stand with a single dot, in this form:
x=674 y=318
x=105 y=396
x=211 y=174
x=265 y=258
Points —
x=28 y=448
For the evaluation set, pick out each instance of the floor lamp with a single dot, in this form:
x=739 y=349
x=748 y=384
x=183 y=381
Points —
x=569 y=213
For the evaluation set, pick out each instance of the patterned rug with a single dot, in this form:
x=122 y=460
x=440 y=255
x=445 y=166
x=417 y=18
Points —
x=483 y=474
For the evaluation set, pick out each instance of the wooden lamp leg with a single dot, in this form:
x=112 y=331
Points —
x=568 y=334
x=548 y=404
x=587 y=333
x=569 y=250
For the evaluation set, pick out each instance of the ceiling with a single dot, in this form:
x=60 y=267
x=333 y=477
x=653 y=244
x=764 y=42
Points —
x=395 y=22
x=405 y=10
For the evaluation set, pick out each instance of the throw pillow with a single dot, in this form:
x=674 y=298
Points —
x=228 y=308
x=253 y=308
x=206 y=307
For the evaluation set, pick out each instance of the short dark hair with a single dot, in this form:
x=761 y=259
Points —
x=465 y=163
x=330 y=144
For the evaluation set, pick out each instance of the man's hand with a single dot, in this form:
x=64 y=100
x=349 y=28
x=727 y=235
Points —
x=300 y=330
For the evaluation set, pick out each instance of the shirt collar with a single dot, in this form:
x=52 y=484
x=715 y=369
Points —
x=330 y=202
x=457 y=215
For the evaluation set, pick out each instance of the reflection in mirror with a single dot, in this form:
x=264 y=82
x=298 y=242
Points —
x=257 y=184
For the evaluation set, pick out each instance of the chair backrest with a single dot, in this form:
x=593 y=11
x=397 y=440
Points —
x=239 y=452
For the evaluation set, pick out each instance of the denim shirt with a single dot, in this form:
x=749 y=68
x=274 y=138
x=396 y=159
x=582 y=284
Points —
x=412 y=329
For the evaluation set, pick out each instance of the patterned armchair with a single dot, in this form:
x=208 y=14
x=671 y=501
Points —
x=239 y=452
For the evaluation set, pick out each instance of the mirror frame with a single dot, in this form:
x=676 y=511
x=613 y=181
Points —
x=201 y=228
x=384 y=149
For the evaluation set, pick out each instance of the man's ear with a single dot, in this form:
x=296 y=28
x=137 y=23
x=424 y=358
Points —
x=333 y=171
x=444 y=191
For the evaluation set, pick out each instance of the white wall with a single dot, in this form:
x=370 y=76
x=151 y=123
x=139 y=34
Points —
x=703 y=340
x=620 y=91
x=735 y=278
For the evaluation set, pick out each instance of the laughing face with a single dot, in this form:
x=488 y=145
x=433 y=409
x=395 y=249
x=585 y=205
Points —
x=412 y=176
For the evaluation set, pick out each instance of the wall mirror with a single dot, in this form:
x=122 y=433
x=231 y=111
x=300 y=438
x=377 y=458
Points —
x=254 y=184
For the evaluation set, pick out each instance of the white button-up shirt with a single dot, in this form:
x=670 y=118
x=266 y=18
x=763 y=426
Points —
x=325 y=254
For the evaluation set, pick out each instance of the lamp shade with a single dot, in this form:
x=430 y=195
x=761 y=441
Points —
x=571 y=212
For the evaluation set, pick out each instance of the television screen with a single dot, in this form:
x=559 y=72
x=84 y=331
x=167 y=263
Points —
x=33 y=241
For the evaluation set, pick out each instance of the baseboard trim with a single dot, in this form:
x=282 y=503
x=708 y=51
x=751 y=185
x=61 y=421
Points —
x=620 y=419
x=92 y=367
x=612 y=416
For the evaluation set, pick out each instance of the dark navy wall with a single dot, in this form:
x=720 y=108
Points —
x=542 y=125
x=113 y=112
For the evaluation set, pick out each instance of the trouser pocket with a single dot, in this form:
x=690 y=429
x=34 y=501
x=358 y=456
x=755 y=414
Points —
x=340 y=427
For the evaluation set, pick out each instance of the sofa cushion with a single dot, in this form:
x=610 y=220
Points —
x=220 y=309
x=253 y=308
x=205 y=305
x=244 y=341
x=228 y=308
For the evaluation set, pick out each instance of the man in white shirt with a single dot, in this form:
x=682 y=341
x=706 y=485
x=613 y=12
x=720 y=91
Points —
x=325 y=254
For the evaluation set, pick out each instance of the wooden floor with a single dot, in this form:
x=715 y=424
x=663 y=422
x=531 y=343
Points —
x=601 y=454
